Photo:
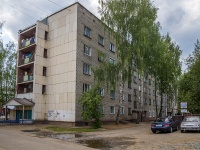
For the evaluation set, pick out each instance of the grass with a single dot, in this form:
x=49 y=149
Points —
x=71 y=130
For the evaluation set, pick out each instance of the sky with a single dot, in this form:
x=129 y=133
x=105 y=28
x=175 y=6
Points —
x=179 y=18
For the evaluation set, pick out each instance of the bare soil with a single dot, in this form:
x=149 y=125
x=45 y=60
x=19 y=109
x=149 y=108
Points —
x=124 y=136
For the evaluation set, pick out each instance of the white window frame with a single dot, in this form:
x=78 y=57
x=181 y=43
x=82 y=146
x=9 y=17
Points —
x=102 y=92
x=114 y=94
x=87 y=50
x=86 y=87
x=86 y=69
x=122 y=110
x=101 y=40
x=112 y=47
x=87 y=31
x=113 y=109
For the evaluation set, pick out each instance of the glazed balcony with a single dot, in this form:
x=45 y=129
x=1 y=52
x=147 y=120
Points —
x=25 y=78
x=27 y=42
x=25 y=88
x=26 y=59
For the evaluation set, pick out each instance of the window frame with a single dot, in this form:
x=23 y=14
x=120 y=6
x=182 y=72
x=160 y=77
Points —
x=113 y=110
x=86 y=31
x=112 y=47
x=86 y=69
x=101 y=40
x=89 y=50
x=86 y=87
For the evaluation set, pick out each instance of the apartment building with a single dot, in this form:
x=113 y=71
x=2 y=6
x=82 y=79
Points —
x=54 y=62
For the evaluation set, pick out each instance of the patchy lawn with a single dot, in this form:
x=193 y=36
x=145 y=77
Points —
x=68 y=129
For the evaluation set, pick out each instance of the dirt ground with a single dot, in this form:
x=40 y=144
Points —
x=124 y=136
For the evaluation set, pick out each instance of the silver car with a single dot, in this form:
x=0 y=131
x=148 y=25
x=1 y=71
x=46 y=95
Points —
x=190 y=123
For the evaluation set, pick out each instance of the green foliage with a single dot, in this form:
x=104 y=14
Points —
x=7 y=71
x=69 y=130
x=189 y=87
x=92 y=107
x=132 y=23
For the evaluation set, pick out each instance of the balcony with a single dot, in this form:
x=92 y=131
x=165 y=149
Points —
x=26 y=59
x=25 y=88
x=25 y=78
x=27 y=42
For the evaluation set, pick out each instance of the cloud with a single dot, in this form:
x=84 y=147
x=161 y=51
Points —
x=179 y=18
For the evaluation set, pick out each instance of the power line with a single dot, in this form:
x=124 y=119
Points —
x=37 y=7
x=55 y=3
x=20 y=10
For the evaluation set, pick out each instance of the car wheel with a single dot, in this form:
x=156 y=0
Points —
x=154 y=131
x=171 y=130
x=181 y=131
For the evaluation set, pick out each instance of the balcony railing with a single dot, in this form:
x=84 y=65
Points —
x=26 y=59
x=27 y=42
x=25 y=90
x=25 y=78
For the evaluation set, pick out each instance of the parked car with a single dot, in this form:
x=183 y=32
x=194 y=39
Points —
x=164 y=125
x=190 y=123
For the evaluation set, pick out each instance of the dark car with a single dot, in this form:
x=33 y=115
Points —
x=164 y=125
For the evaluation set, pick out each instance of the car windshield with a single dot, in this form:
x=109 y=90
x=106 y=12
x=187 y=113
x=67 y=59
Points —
x=162 y=120
x=191 y=119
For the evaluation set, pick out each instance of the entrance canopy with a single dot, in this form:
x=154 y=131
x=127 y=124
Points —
x=19 y=102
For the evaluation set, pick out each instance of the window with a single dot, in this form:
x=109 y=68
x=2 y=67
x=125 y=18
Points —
x=129 y=97
x=87 y=31
x=134 y=79
x=129 y=111
x=139 y=76
x=101 y=57
x=46 y=35
x=129 y=84
x=149 y=81
x=135 y=92
x=102 y=92
x=101 y=40
x=87 y=50
x=86 y=88
x=149 y=101
x=112 y=94
x=122 y=110
x=123 y=96
x=135 y=104
x=112 y=47
x=45 y=53
x=153 y=92
x=112 y=61
x=112 y=110
x=86 y=69
x=44 y=71
x=145 y=91
x=153 y=83
x=139 y=88
x=145 y=101
x=149 y=91
x=43 y=89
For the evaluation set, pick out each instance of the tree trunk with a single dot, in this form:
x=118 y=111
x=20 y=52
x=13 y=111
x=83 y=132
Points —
x=120 y=99
x=156 y=100
x=160 y=113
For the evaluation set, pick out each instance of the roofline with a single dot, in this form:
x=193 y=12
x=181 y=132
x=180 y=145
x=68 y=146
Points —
x=22 y=30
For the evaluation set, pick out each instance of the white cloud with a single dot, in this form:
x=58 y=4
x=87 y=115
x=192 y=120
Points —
x=181 y=18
